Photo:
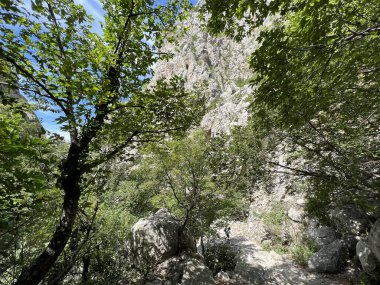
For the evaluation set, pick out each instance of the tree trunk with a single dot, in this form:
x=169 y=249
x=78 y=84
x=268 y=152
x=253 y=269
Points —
x=70 y=184
x=202 y=245
x=86 y=267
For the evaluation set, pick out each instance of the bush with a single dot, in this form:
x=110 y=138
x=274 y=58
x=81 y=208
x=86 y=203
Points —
x=220 y=257
x=302 y=252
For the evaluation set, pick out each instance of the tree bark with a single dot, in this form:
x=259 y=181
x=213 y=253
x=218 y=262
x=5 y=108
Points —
x=86 y=267
x=70 y=183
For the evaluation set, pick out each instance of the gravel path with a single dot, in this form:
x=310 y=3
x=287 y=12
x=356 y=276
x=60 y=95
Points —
x=258 y=267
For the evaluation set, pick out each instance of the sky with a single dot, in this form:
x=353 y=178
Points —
x=94 y=8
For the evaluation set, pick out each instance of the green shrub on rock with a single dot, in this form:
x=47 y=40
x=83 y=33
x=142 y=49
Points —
x=220 y=257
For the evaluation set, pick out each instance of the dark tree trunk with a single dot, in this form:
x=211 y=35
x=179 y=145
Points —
x=86 y=266
x=69 y=181
x=202 y=245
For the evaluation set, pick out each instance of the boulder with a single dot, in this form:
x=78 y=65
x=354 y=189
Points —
x=350 y=219
x=196 y=273
x=156 y=239
x=223 y=277
x=296 y=214
x=301 y=202
x=321 y=236
x=374 y=239
x=170 y=270
x=367 y=259
x=350 y=242
x=328 y=259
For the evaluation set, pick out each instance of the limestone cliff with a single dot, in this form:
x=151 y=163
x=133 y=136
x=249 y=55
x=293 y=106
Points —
x=220 y=64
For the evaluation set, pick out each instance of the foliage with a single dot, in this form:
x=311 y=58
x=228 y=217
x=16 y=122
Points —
x=238 y=160
x=241 y=82
x=317 y=87
x=178 y=175
x=276 y=217
x=95 y=85
x=277 y=226
x=220 y=257
x=302 y=252
x=28 y=197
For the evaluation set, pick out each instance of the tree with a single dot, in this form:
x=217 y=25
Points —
x=179 y=175
x=95 y=84
x=317 y=77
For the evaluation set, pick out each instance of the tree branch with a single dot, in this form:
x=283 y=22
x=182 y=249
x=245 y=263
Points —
x=29 y=75
x=88 y=166
x=57 y=36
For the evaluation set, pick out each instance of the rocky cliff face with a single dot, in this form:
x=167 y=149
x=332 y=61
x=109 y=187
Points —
x=219 y=64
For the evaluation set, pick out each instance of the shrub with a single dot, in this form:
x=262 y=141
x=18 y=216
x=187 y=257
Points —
x=302 y=252
x=220 y=257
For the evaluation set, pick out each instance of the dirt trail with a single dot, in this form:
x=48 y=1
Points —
x=259 y=267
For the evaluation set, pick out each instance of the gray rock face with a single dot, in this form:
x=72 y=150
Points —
x=219 y=65
x=350 y=242
x=374 y=239
x=296 y=214
x=168 y=271
x=350 y=219
x=196 y=273
x=328 y=259
x=155 y=239
x=367 y=258
x=321 y=236
x=223 y=277
x=184 y=269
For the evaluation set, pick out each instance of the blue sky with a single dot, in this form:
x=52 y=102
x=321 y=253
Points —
x=94 y=8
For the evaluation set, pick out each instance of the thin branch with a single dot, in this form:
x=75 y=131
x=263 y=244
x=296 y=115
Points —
x=326 y=65
x=126 y=24
x=324 y=138
x=109 y=155
x=359 y=34
x=171 y=184
x=31 y=77
x=303 y=172
x=57 y=36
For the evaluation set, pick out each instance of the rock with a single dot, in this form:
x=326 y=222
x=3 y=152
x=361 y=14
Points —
x=196 y=273
x=169 y=270
x=301 y=202
x=155 y=282
x=222 y=277
x=321 y=236
x=367 y=258
x=266 y=243
x=328 y=259
x=350 y=219
x=219 y=65
x=285 y=238
x=12 y=94
x=155 y=239
x=350 y=242
x=296 y=214
x=374 y=239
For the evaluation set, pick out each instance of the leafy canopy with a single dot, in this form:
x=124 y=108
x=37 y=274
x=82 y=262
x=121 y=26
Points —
x=317 y=77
